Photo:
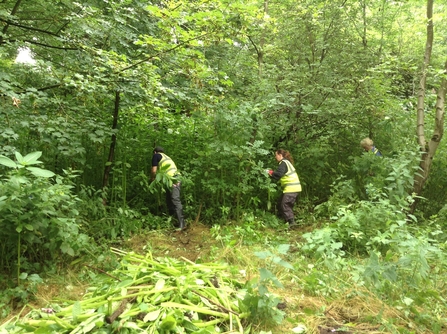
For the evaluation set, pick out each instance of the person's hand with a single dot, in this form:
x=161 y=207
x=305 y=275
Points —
x=269 y=172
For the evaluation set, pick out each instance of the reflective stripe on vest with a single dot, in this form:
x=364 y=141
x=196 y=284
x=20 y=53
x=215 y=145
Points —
x=167 y=161
x=290 y=181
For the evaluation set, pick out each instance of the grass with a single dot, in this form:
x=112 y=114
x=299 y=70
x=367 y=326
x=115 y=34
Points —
x=320 y=299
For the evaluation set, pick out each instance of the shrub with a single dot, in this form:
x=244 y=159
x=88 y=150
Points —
x=38 y=215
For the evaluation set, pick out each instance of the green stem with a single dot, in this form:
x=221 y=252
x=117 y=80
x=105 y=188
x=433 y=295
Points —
x=18 y=261
x=196 y=309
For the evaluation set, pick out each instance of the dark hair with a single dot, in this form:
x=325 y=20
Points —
x=159 y=149
x=285 y=154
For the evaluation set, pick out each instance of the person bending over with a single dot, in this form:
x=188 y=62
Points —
x=160 y=161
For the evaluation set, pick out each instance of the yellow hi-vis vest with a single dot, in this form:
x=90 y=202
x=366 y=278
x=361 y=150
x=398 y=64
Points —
x=169 y=163
x=290 y=182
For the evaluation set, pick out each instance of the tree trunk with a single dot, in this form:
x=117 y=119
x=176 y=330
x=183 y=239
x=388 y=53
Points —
x=428 y=148
x=108 y=166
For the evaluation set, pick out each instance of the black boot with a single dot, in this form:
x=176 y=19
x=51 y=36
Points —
x=181 y=220
x=292 y=223
x=182 y=225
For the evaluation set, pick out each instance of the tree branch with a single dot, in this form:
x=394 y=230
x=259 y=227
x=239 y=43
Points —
x=11 y=23
x=159 y=53
x=13 y=12
x=51 y=46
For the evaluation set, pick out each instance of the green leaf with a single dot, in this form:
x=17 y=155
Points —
x=31 y=158
x=19 y=158
x=39 y=172
x=35 y=278
x=276 y=259
x=408 y=301
x=5 y=161
x=131 y=325
x=160 y=284
x=77 y=310
x=283 y=249
x=277 y=283
x=168 y=323
x=263 y=255
x=286 y=264
x=265 y=274
x=152 y=316
x=188 y=325
x=46 y=329
x=87 y=325
x=66 y=248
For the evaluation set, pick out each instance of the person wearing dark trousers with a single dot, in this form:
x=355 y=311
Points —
x=290 y=184
x=160 y=161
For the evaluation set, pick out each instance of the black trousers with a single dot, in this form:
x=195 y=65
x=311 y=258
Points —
x=285 y=205
x=174 y=203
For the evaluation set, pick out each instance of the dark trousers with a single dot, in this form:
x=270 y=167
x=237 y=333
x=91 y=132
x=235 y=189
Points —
x=285 y=205
x=174 y=203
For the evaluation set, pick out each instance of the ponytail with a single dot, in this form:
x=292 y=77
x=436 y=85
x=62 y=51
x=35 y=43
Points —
x=285 y=154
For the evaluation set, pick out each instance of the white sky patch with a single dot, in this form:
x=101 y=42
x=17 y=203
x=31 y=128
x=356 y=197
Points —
x=25 y=56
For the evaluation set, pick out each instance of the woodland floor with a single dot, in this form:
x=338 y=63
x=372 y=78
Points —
x=197 y=243
x=345 y=315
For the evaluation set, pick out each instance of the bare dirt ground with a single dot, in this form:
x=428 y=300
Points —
x=193 y=243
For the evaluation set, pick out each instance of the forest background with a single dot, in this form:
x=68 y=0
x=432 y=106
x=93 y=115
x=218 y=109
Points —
x=221 y=85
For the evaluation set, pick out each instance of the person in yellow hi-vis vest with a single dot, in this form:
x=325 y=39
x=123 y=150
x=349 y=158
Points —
x=161 y=161
x=290 y=184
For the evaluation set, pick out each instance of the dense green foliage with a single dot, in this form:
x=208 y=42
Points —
x=220 y=85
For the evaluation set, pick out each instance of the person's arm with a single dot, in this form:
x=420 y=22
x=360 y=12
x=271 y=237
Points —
x=155 y=160
x=280 y=171
x=153 y=172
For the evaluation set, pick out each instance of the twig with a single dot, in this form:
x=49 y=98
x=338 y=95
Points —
x=119 y=310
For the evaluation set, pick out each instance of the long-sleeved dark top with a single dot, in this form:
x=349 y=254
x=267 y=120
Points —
x=280 y=171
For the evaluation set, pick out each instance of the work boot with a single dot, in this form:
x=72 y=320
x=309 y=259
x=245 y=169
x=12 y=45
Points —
x=292 y=223
x=181 y=220
x=182 y=225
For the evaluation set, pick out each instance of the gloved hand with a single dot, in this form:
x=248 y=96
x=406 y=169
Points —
x=270 y=172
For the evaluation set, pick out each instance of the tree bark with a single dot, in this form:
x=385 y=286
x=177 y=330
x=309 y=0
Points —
x=428 y=148
x=108 y=166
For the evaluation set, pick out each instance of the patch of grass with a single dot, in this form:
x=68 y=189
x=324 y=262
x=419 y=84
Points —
x=318 y=294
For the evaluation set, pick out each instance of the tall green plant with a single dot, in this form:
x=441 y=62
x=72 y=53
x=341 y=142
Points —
x=38 y=215
x=263 y=305
x=370 y=224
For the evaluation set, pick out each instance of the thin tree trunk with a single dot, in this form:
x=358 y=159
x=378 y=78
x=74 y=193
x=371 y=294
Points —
x=428 y=148
x=262 y=42
x=108 y=166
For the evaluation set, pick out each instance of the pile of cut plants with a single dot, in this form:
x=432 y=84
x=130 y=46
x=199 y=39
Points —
x=148 y=295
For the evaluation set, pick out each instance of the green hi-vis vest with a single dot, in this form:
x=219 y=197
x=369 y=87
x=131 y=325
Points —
x=290 y=182
x=169 y=163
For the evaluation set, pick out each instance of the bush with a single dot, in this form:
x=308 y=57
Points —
x=38 y=216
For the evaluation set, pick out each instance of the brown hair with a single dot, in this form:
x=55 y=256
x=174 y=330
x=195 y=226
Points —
x=285 y=154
